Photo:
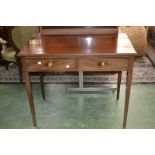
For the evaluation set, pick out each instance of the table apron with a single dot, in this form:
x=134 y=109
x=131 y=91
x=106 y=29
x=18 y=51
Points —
x=76 y=64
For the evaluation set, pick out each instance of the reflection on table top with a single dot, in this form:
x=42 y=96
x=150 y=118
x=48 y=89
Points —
x=47 y=45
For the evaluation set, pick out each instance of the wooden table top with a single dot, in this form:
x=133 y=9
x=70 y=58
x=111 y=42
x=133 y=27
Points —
x=78 y=45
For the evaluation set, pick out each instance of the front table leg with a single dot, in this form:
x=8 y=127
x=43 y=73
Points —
x=29 y=94
x=128 y=88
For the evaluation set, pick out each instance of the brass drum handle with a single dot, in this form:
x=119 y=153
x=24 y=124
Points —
x=50 y=65
x=103 y=64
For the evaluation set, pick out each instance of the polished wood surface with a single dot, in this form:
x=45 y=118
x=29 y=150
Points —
x=98 y=53
x=76 y=46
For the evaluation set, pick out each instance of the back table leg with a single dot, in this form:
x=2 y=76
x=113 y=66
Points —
x=119 y=84
x=42 y=85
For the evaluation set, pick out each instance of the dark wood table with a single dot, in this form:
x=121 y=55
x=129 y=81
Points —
x=78 y=53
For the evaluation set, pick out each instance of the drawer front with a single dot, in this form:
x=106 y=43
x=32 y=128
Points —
x=50 y=64
x=103 y=64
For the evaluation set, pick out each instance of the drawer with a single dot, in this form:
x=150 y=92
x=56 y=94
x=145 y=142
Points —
x=103 y=64
x=48 y=64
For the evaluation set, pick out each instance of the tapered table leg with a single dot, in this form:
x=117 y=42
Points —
x=42 y=85
x=128 y=88
x=119 y=84
x=29 y=94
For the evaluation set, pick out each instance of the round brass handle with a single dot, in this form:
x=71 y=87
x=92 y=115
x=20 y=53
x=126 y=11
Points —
x=50 y=65
x=103 y=64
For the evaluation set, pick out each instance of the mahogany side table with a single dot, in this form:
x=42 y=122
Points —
x=78 y=53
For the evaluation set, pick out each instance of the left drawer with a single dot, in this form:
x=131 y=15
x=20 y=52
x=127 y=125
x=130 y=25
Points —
x=49 y=64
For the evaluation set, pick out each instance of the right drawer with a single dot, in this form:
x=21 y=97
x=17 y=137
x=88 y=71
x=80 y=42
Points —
x=103 y=64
